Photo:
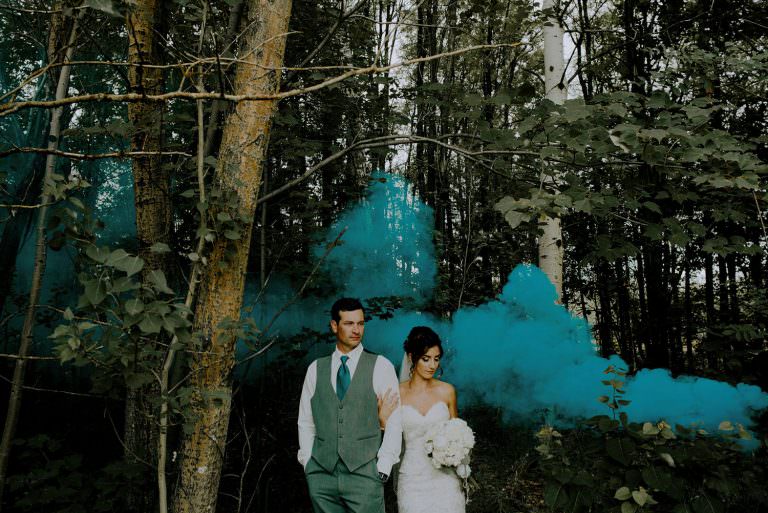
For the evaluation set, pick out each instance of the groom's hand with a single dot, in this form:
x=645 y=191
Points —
x=387 y=404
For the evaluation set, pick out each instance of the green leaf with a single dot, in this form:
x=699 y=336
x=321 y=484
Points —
x=104 y=6
x=583 y=205
x=622 y=494
x=123 y=284
x=650 y=429
x=640 y=497
x=77 y=203
x=94 y=291
x=555 y=495
x=123 y=261
x=134 y=306
x=157 y=278
x=151 y=324
x=620 y=449
x=97 y=253
x=160 y=247
x=507 y=206
x=653 y=207
x=606 y=425
x=138 y=379
x=654 y=133
x=628 y=507
x=655 y=478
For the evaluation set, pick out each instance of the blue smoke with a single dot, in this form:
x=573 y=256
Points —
x=520 y=352
x=387 y=248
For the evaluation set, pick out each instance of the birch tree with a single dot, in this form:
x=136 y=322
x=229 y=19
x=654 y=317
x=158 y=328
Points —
x=551 y=239
x=238 y=176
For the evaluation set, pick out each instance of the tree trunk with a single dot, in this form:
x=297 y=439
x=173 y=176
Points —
x=551 y=239
x=150 y=179
x=151 y=184
x=27 y=332
x=604 y=284
x=688 y=312
x=709 y=306
x=626 y=345
x=243 y=149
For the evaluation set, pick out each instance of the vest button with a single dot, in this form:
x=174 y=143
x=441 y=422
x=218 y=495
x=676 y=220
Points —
x=341 y=406
x=341 y=435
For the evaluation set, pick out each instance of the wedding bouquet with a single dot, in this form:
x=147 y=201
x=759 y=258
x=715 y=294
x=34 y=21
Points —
x=449 y=443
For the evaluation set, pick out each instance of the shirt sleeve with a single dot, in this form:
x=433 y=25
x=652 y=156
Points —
x=306 y=421
x=384 y=378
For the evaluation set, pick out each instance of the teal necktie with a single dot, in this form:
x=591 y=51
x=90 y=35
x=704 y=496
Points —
x=342 y=379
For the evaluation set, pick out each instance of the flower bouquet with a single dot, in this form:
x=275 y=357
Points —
x=449 y=444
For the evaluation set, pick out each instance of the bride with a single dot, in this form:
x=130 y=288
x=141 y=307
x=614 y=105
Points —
x=422 y=488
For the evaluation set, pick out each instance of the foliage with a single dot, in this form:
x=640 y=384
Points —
x=53 y=478
x=612 y=464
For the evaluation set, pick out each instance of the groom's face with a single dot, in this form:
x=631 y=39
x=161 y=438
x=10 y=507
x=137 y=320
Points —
x=349 y=330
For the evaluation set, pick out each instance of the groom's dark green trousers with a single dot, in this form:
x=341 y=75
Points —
x=341 y=474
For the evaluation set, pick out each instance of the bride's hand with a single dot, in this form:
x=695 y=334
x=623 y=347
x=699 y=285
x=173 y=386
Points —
x=387 y=404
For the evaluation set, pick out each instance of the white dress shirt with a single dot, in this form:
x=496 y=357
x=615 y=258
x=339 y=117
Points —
x=384 y=379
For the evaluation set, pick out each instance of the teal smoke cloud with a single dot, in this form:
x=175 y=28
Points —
x=520 y=351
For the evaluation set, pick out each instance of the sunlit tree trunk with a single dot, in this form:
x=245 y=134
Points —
x=551 y=239
x=150 y=178
x=238 y=172
x=153 y=214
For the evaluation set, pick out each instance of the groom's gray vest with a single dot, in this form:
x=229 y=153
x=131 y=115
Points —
x=347 y=429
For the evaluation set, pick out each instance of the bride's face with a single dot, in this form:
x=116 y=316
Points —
x=427 y=365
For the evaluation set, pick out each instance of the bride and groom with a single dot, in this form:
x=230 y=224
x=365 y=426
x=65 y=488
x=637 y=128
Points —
x=354 y=414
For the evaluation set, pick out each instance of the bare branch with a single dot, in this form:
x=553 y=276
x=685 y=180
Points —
x=28 y=357
x=295 y=298
x=53 y=390
x=90 y=156
x=11 y=107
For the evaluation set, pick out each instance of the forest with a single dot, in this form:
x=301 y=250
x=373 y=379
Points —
x=572 y=193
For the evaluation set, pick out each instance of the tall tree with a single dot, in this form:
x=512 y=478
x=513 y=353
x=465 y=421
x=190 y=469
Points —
x=238 y=175
x=151 y=184
x=41 y=247
x=556 y=87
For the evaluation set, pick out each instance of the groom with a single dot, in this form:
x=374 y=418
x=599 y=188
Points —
x=345 y=458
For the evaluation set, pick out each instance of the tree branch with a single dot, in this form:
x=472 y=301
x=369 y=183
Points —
x=89 y=156
x=11 y=107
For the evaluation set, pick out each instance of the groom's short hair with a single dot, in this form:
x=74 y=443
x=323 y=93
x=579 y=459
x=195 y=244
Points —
x=345 y=304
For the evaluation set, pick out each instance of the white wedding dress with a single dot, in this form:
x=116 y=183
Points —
x=422 y=488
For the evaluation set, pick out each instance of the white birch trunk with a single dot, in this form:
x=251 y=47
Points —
x=551 y=240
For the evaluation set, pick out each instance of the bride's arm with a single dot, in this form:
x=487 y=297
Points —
x=452 y=401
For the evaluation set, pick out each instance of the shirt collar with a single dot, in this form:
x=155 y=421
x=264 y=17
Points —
x=354 y=355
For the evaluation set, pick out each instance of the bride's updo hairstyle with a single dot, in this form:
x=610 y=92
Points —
x=419 y=340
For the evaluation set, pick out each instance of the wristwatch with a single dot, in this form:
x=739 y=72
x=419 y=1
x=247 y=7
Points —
x=383 y=477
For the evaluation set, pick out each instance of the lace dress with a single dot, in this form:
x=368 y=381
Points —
x=422 y=488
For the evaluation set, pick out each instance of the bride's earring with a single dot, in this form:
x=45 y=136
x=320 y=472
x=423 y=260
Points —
x=410 y=371
x=441 y=372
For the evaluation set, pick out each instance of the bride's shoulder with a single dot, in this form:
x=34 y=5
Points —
x=445 y=389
